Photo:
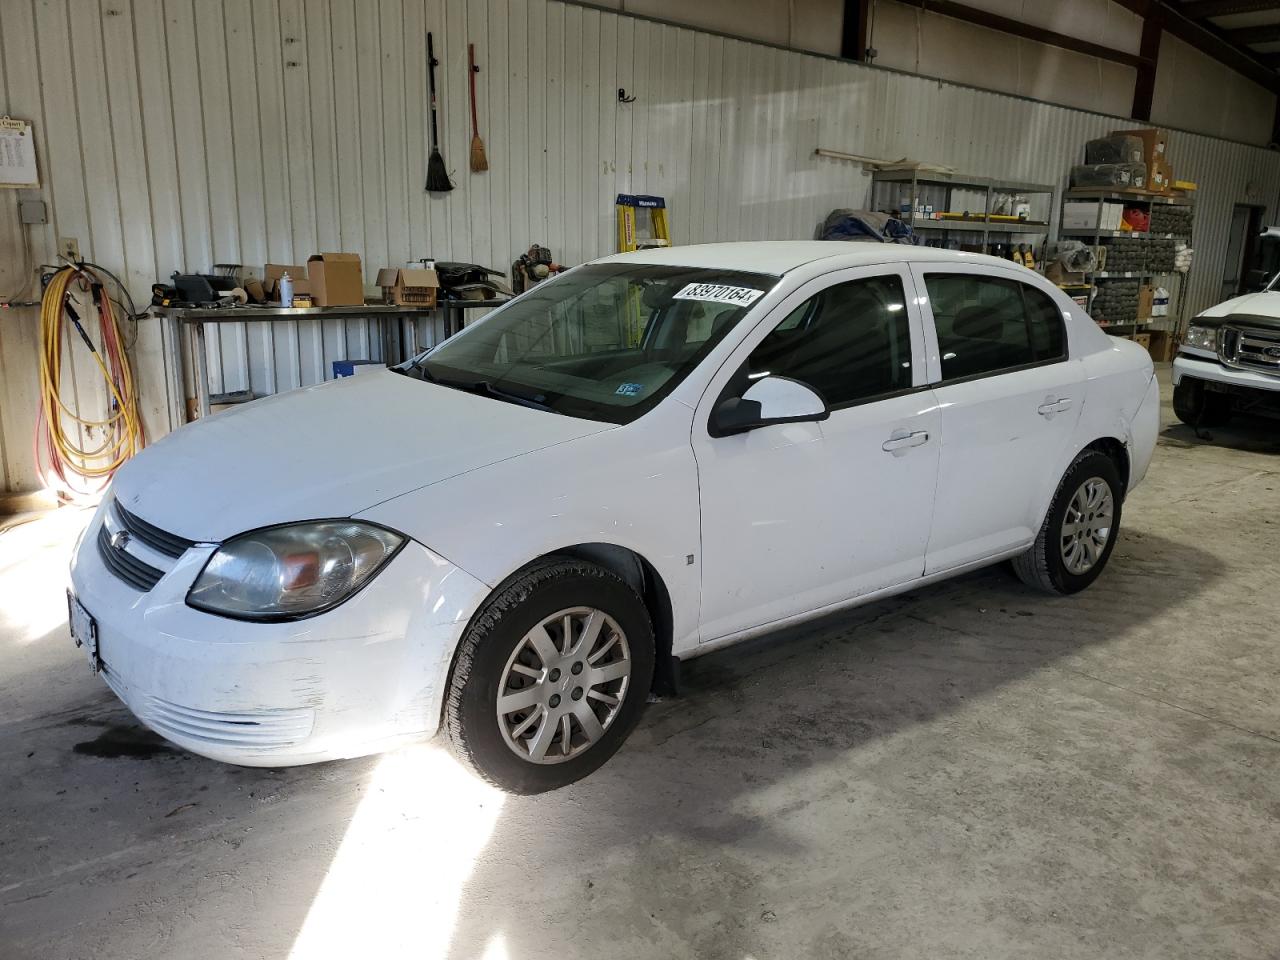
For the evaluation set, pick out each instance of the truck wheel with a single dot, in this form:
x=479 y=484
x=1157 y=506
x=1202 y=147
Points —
x=1198 y=407
x=1079 y=530
x=550 y=677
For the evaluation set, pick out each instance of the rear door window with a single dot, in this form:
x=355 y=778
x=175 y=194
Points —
x=987 y=325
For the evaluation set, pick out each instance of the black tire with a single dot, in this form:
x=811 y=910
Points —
x=1043 y=566
x=498 y=628
x=1198 y=407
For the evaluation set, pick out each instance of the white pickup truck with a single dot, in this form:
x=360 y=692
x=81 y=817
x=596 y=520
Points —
x=1229 y=360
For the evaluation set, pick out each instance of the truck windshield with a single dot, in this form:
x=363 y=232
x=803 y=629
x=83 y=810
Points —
x=603 y=342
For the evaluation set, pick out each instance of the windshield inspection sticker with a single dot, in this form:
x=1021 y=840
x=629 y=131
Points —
x=630 y=390
x=719 y=293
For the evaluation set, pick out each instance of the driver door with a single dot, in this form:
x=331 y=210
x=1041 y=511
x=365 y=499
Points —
x=800 y=516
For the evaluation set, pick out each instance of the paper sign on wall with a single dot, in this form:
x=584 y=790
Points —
x=17 y=154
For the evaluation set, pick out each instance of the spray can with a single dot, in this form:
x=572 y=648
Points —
x=286 y=290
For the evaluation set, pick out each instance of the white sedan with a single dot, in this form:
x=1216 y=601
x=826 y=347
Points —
x=518 y=535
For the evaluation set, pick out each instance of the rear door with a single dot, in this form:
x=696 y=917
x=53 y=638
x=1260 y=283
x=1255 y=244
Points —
x=802 y=515
x=1009 y=398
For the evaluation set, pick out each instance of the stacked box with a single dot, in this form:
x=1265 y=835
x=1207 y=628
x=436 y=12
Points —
x=1116 y=301
x=1169 y=218
x=1118 y=176
x=1126 y=255
x=1121 y=148
x=1160 y=254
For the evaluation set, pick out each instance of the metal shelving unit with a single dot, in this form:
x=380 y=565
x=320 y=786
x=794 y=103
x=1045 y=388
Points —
x=925 y=187
x=1098 y=235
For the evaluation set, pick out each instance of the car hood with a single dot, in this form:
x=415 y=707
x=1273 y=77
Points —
x=330 y=450
x=1257 y=309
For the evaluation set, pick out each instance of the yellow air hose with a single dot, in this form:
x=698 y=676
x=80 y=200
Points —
x=76 y=446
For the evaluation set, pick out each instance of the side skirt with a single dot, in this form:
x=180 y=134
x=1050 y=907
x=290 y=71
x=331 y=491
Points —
x=732 y=638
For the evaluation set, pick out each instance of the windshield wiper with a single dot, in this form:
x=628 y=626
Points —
x=487 y=389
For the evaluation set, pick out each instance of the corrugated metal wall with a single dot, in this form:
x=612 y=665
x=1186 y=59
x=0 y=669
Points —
x=175 y=134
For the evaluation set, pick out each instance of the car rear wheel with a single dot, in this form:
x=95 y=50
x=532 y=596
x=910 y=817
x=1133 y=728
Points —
x=551 y=676
x=1079 y=530
x=1199 y=407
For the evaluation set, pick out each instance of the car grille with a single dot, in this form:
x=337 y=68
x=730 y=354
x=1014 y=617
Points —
x=170 y=544
x=1251 y=349
x=139 y=575
x=267 y=730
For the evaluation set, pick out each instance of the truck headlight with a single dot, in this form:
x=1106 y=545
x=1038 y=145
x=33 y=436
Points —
x=1203 y=338
x=291 y=571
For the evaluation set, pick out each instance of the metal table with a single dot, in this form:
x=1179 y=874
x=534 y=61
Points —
x=455 y=318
x=197 y=317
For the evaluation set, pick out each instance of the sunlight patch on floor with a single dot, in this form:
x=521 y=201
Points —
x=33 y=573
x=394 y=886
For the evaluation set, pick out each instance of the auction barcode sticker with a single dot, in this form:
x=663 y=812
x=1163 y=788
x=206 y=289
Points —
x=719 y=293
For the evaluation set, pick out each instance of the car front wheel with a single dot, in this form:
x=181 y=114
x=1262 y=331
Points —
x=551 y=676
x=1079 y=531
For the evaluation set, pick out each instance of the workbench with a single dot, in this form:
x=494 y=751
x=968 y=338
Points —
x=397 y=333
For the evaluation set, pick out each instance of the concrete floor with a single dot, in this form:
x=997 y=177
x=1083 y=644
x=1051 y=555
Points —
x=971 y=770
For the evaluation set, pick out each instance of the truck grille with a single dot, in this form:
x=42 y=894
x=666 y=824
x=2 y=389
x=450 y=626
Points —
x=139 y=575
x=1251 y=349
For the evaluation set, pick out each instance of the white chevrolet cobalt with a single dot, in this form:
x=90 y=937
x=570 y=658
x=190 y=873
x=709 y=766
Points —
x=518 y=535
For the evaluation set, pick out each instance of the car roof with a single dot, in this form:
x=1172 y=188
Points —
x=781 y=256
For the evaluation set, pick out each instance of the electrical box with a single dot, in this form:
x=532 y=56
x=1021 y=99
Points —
x=33 y=211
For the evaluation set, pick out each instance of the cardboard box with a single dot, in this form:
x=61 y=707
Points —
x=1091 y=215
x=1153 y=141
x=409 y=286
x=1054 y=272
x=1161 y=179
x=336 y=279
x=1146 y=296
x=1143 y=340
x=272 y=273
x=1160 y=346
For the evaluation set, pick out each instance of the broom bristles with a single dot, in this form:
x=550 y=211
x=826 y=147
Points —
x=479 y=162
x=437 y=175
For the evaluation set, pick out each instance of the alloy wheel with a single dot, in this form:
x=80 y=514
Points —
x=563 y=685
x=1086 y=527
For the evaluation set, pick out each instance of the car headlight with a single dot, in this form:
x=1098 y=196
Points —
x=281 y=573
x=1203 y=338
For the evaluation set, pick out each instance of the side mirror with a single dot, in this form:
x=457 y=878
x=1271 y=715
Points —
x=769 y=400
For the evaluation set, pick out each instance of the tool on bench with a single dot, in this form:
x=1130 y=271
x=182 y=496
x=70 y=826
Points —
x=437 y=175
x=479 y=162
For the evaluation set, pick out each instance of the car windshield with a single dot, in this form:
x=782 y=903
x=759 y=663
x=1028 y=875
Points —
x=602 y=342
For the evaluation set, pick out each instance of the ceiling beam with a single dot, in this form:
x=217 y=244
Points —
x=1196 y=9
x=1213 y=42
x=1263 y=34
x=1144 y=87
x=1017 y=28
x=857 y=21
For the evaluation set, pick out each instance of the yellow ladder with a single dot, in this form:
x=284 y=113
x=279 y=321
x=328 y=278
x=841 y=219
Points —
x=642 y=222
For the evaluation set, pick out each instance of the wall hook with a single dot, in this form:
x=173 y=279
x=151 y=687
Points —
x=622 y=96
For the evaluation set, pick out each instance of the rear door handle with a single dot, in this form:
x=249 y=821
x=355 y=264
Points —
x=900 y=441
x=1052 y=406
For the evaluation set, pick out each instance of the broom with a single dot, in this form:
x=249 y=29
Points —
x=437 y=175
x=479 y=162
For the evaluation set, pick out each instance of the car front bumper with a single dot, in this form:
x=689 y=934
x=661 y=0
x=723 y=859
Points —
x=1209 y=368
x=356 y=679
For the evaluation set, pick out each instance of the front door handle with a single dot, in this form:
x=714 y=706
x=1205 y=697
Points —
x=1053 y=405
x=900 y=441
